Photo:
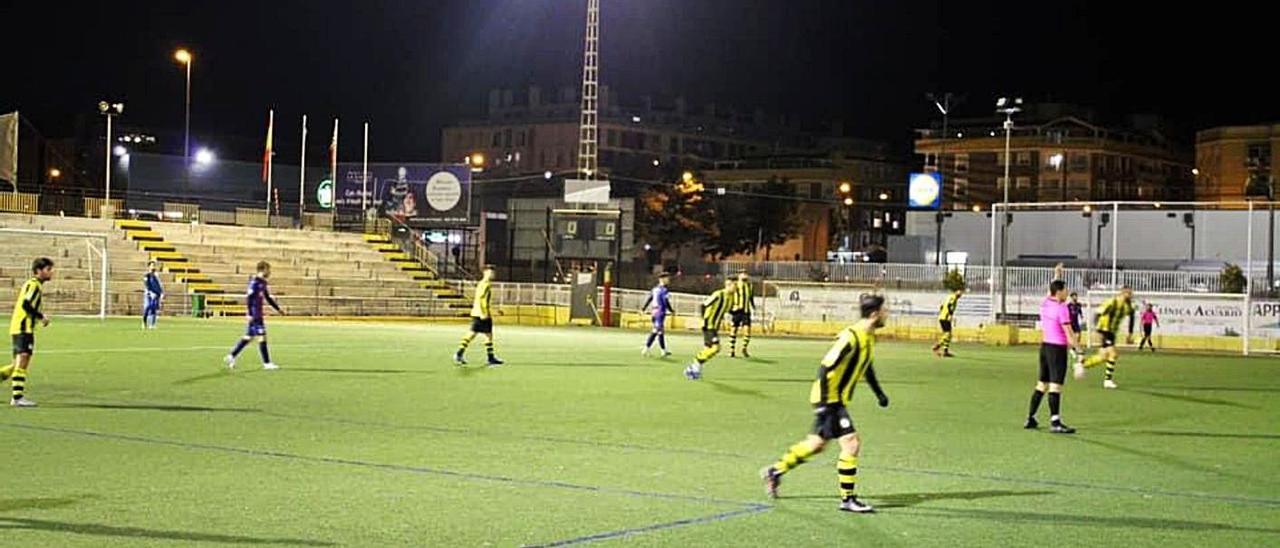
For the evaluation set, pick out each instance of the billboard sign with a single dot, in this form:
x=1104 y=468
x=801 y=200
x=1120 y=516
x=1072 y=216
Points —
x=924 y=191
x=419 y=195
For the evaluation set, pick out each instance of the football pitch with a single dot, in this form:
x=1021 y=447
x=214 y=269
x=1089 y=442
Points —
x=369 y=436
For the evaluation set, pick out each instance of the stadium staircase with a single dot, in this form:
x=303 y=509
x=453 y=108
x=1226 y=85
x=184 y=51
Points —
x=216 y=299
x=426 y=276
x=313 y=272
x=75 y=289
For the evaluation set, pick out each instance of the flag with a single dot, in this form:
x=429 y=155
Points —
x=9 y=149
x=266 y=155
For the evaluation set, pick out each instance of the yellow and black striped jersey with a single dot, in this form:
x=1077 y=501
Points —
x=843 y=366
x=1112 y=312
x=26 y=310
x=743 y=297
x=714 y=307
x=484 y=295
x=948 y=308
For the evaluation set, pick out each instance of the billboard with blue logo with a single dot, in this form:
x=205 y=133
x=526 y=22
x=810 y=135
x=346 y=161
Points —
x=924 y=191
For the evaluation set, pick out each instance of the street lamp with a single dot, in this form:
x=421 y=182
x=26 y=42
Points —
x=183 y=56
x=1008 y=107
x=110 y=110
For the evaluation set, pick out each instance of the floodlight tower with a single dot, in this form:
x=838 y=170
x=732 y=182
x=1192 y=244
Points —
x=589 y=126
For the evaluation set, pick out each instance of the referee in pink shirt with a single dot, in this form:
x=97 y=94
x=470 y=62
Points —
x=1055 y=323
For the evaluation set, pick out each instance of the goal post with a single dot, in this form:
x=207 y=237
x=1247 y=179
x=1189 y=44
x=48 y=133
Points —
x=83 y=257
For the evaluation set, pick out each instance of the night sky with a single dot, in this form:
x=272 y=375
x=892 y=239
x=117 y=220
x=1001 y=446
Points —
x=411 y=67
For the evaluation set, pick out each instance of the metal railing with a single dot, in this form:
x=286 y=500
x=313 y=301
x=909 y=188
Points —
x=981 y=277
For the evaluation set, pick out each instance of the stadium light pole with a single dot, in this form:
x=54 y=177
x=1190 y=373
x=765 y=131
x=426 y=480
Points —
x=110 y=110
x=183 y=56
x=1008 y=107
x=944 y=106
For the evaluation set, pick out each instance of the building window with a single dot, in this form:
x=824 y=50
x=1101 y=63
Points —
x=960 y=188
x=613 y=138
x=962 y=163
x=673 y=145
x=1023 y=158
x=931 y=160
x=1022 y=182
x=1079 y=162
x=1258 y=156
x=497 y=139
x=520 y=138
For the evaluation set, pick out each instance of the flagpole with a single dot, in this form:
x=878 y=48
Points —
x=364 y=175
x=333 y=170
x=271 y=124
x=302 y=173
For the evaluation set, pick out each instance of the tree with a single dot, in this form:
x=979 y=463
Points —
x=1232 y=279
x=953 y=280
x=767 y=216
x=777 y=214
x=673 y=216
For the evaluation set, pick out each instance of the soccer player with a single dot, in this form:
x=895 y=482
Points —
x=740 y=313
x=22 y=329
x=848 y=360
x=153 y=294
x=946 y=315
x=1076 y=310
x=1148 y=319
x=660 y=297
x=1110 y=314
x=1058 y=337
x=481 y=321
x=257 y=298
x=713 y=309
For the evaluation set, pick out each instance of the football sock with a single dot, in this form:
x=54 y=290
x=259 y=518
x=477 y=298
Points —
x=662 y=341
x=239 y=347
x=649 y=341
x=266 y=354
x=1055 y=406
x=19 y=383
x=1111 y=370
x=707 y=353
x=1036 y=396
x=795 y=456
x=847 y=471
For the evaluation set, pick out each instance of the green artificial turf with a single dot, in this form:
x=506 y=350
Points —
x=369 y=436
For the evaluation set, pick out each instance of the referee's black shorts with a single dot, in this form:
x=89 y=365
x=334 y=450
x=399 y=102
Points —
x=1053 y=363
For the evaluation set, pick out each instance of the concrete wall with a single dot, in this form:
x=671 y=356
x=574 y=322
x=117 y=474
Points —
x=1143 y=236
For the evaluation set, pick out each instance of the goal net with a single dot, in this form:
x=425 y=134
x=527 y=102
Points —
x=1223 y=322
x=81 y=269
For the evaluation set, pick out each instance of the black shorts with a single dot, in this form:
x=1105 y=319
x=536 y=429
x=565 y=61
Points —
x=946 y=325
x=482 y=325
x=1108 y=338
x=832 y=422
x=741 y=318
x=24 y=343
x=1053 y=363
x=1146 y=329
x=710 y=337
